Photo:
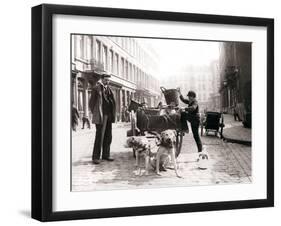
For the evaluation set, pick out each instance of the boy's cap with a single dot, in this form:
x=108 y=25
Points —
x=191 y=94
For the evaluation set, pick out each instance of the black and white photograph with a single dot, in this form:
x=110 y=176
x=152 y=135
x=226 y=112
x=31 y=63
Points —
x=159 y=112
x=143 y=112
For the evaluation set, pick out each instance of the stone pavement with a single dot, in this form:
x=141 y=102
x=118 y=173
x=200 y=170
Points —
x=229 y=163
x=235 y=132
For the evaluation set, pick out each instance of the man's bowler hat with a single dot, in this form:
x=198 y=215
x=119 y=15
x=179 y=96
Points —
x=104 y=75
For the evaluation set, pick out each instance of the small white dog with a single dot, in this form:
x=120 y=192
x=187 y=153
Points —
x=203 y=159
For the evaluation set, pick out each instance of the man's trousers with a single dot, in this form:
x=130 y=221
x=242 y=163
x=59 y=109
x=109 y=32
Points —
x=103 y=139
x=194 y=121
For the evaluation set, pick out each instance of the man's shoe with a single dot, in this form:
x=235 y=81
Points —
x=96 y=161
x=108 y=159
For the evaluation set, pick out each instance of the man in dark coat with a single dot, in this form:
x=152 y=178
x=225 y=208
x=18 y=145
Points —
x=102 y=105
x=191 y=114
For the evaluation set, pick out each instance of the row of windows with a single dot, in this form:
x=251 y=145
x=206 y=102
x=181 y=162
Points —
x=113 y=62
x=131 y=46
x=118 y=65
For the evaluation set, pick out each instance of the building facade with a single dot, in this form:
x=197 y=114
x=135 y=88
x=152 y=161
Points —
x=214 y=100
x=197 y=78
x=132 y=66
x=235 y=79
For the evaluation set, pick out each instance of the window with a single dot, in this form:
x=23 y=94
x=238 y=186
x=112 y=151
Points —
x=129 y=45
x=111 y=61
x=137 y=52
x=98 y=50
x=126 y=69
x=122 y=67
x=88 y=48
x=104 y=57
x=79 y=46
x=116 y=64
x=133 y=73
x=130 y=72
x=137 y=76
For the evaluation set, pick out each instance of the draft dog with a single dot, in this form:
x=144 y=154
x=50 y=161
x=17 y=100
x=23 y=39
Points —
x=141 y=148
x=167 y=148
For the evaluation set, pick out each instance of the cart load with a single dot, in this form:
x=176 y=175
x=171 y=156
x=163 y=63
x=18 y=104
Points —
x=156 y=122
x=171 y=96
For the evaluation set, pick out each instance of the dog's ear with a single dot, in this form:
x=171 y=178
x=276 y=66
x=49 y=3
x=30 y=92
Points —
x=162 y=135
x=158 y=137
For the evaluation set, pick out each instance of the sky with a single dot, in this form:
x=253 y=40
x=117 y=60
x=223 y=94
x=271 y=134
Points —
x=174 y=54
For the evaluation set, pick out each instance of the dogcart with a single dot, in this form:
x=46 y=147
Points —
x=212 y=121
x=151 y=122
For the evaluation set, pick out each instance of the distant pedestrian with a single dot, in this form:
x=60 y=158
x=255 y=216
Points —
x=102 y=105
x=85 y=120
x=235 y=114
x=74 y=117
x=125 y=114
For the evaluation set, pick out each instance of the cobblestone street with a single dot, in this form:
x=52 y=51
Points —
x=229 y=163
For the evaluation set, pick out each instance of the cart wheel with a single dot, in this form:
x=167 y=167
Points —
x=133 y=122
x=134 y=153
x=222 y=125
x=179 y=139
x=221 y=131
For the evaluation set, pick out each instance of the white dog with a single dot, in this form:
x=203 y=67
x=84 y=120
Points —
x=141 y=148
x=203 y=158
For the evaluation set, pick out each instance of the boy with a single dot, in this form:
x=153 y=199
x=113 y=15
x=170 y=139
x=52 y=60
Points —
x=191 y=114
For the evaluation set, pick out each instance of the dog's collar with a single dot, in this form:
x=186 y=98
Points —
x=166 y=145
x=141 y=149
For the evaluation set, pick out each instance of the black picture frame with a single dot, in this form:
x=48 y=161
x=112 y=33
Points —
x=42 y=108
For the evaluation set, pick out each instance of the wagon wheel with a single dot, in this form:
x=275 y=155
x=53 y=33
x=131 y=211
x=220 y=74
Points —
x=133 y=122
x=222 y=125
x=202 y=129
x=202 y=124
x=179 y=139
x=133 y=127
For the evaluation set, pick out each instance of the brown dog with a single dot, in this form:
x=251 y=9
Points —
x=167 y=148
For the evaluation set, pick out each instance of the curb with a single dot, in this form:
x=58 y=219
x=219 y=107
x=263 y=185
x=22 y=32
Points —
x=231 y=140
x=120 y=125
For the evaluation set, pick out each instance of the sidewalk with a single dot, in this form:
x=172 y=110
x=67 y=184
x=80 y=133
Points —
x=235 y=132
x=114 y=125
